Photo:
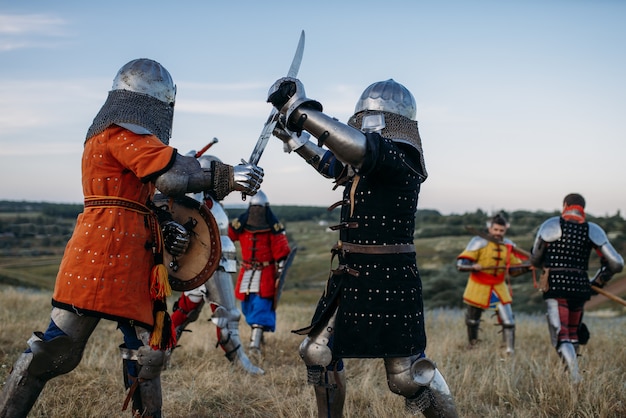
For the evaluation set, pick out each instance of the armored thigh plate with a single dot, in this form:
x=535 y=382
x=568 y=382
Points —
x=554 y=321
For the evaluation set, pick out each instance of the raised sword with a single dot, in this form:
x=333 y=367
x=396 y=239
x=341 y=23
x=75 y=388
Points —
x=270 y=124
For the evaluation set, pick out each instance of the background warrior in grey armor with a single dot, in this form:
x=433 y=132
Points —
x=218 y=292
x=372 y=306
x=562 y=248
x=126 y=157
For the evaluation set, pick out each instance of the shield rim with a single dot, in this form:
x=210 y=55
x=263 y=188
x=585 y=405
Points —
x=215 y=250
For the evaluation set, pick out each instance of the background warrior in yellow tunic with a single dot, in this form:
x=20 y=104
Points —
x=491 y=259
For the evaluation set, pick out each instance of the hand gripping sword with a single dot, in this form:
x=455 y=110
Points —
x=270 y=124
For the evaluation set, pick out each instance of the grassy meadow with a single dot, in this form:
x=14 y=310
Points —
x=201 y=383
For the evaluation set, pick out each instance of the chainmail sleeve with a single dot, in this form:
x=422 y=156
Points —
x=223 y=176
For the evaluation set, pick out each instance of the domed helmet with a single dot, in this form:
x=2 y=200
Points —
x=147 y=77
x=388 y=108
x=259 y=199
x=387 y=96
x=141 y=99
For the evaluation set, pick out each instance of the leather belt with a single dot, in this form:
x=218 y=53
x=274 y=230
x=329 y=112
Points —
x=107 y=201
x=567 y=269
x=349 y=248
x=256 y=265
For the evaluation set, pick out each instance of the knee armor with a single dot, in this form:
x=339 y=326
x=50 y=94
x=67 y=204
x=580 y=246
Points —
x=314 y=350
x=54 y=357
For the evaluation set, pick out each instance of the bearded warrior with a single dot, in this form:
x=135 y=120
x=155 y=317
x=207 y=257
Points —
x=491 y=259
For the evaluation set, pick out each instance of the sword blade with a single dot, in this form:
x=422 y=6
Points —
x=297 y=58
x=270 y=124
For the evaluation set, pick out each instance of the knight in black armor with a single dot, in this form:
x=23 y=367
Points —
x=372 y=306
x=562 y=249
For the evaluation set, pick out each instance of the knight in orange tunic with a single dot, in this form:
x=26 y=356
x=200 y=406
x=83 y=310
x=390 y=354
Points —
x=110 y=268
x=490 y=260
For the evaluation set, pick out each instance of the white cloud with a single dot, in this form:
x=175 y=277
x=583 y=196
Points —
x=28 y=24
x=29 y=31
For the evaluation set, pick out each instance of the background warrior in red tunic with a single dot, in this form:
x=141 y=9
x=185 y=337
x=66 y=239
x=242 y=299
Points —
x=264 y=251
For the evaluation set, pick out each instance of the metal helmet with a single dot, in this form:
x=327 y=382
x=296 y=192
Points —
x=388 y=96
x=388 y=108
x=141 y=100
x=259 y=199
x=146 y=76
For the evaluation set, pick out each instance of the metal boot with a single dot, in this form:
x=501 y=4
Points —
x=434 y=400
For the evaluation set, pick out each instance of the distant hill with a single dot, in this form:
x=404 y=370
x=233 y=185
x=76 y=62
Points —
x=33 y=236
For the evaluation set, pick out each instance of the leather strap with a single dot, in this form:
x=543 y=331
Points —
x=349 y=248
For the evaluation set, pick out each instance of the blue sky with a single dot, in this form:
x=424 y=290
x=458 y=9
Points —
x=519 y=102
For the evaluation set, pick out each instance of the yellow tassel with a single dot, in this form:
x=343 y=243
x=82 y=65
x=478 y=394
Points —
x=157 y=332
x=159 y=283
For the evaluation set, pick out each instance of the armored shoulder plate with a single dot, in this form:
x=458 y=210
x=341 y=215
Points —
x=507 y=241
x=597 y=235
x=476 y=243
x=550 y=230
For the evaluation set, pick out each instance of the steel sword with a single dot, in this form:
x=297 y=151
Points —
x=270 y=124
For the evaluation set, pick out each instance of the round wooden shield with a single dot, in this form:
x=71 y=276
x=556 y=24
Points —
x=202 y=257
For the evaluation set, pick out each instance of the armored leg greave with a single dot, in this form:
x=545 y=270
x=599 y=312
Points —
x=57 y=352
x=329 y=385
x=567 y=352
x=506 y=319
x=256 y=339
x=472 y=320
x=226 y=316
x=326 y=376
x=554 y=320
x=228 y=339
x=21 y=389
x=142 y=378
x=424 y=388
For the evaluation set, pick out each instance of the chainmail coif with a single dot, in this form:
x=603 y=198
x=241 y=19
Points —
x=124 y=106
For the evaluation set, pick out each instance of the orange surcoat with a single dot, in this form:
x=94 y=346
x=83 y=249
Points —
x=105 y=270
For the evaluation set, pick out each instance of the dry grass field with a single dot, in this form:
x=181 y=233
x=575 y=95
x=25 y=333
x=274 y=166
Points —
x=201 y=382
